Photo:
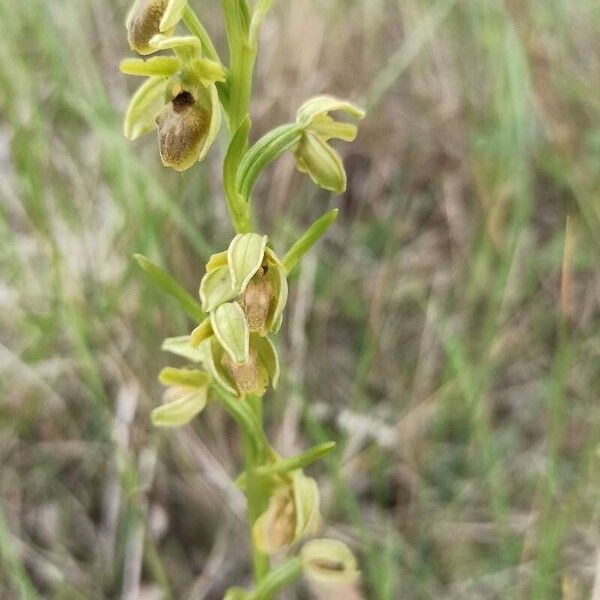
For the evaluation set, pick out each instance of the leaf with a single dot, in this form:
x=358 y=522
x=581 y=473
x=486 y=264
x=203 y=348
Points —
x=307 y=503
x=244 y=257
x=168 y=284
x=308 y=239
x=300 y=461
x=230 y=326
x=187 y=403
x=181 y=346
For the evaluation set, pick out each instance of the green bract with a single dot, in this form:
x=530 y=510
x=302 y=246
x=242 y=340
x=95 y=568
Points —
x=314 y=155
x=179 y=98
x=252 y=273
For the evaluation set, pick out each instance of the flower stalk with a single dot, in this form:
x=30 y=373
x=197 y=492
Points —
x=244 y=291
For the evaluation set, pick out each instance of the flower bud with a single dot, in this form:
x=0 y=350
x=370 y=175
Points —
x=329 y=563
x=183 y=126
x=324 y=165
x=143 y=24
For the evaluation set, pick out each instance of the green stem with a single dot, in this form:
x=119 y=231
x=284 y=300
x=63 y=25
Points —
x=255 y=492
x=241 y=57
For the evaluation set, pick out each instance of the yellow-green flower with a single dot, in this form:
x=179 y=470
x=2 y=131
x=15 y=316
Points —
x=292 y=513
x=314 y=155
x=148 y=18
x=179 y=99
x=252 y=274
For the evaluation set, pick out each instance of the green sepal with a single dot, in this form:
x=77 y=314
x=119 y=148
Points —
x=230 y=326
x=181 y=346
x=244 y=257
x=267 y=354
x=216 y=288
x=216 y=261
x=169 y=285
x=308 y=239
x=306 y=503
x=187 y=402
x=173 y=14
x=278 y=275
x=212 y=354
x=144 y=107
x=301 y=461
x=184 y=377
x=201 y=333
x=157 y=66
x=321 y=105
x=318 y=159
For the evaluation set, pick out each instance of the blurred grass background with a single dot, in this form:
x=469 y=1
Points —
x=446 y=333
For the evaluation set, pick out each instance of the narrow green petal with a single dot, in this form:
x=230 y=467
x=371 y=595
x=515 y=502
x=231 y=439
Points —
x=181 y=346
x=244 y=257
x=187 y=404
x=188 y=42
x=157 y=66
x=231 y=329
x=173 y=14
x=144 y=107
x=184 y=377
